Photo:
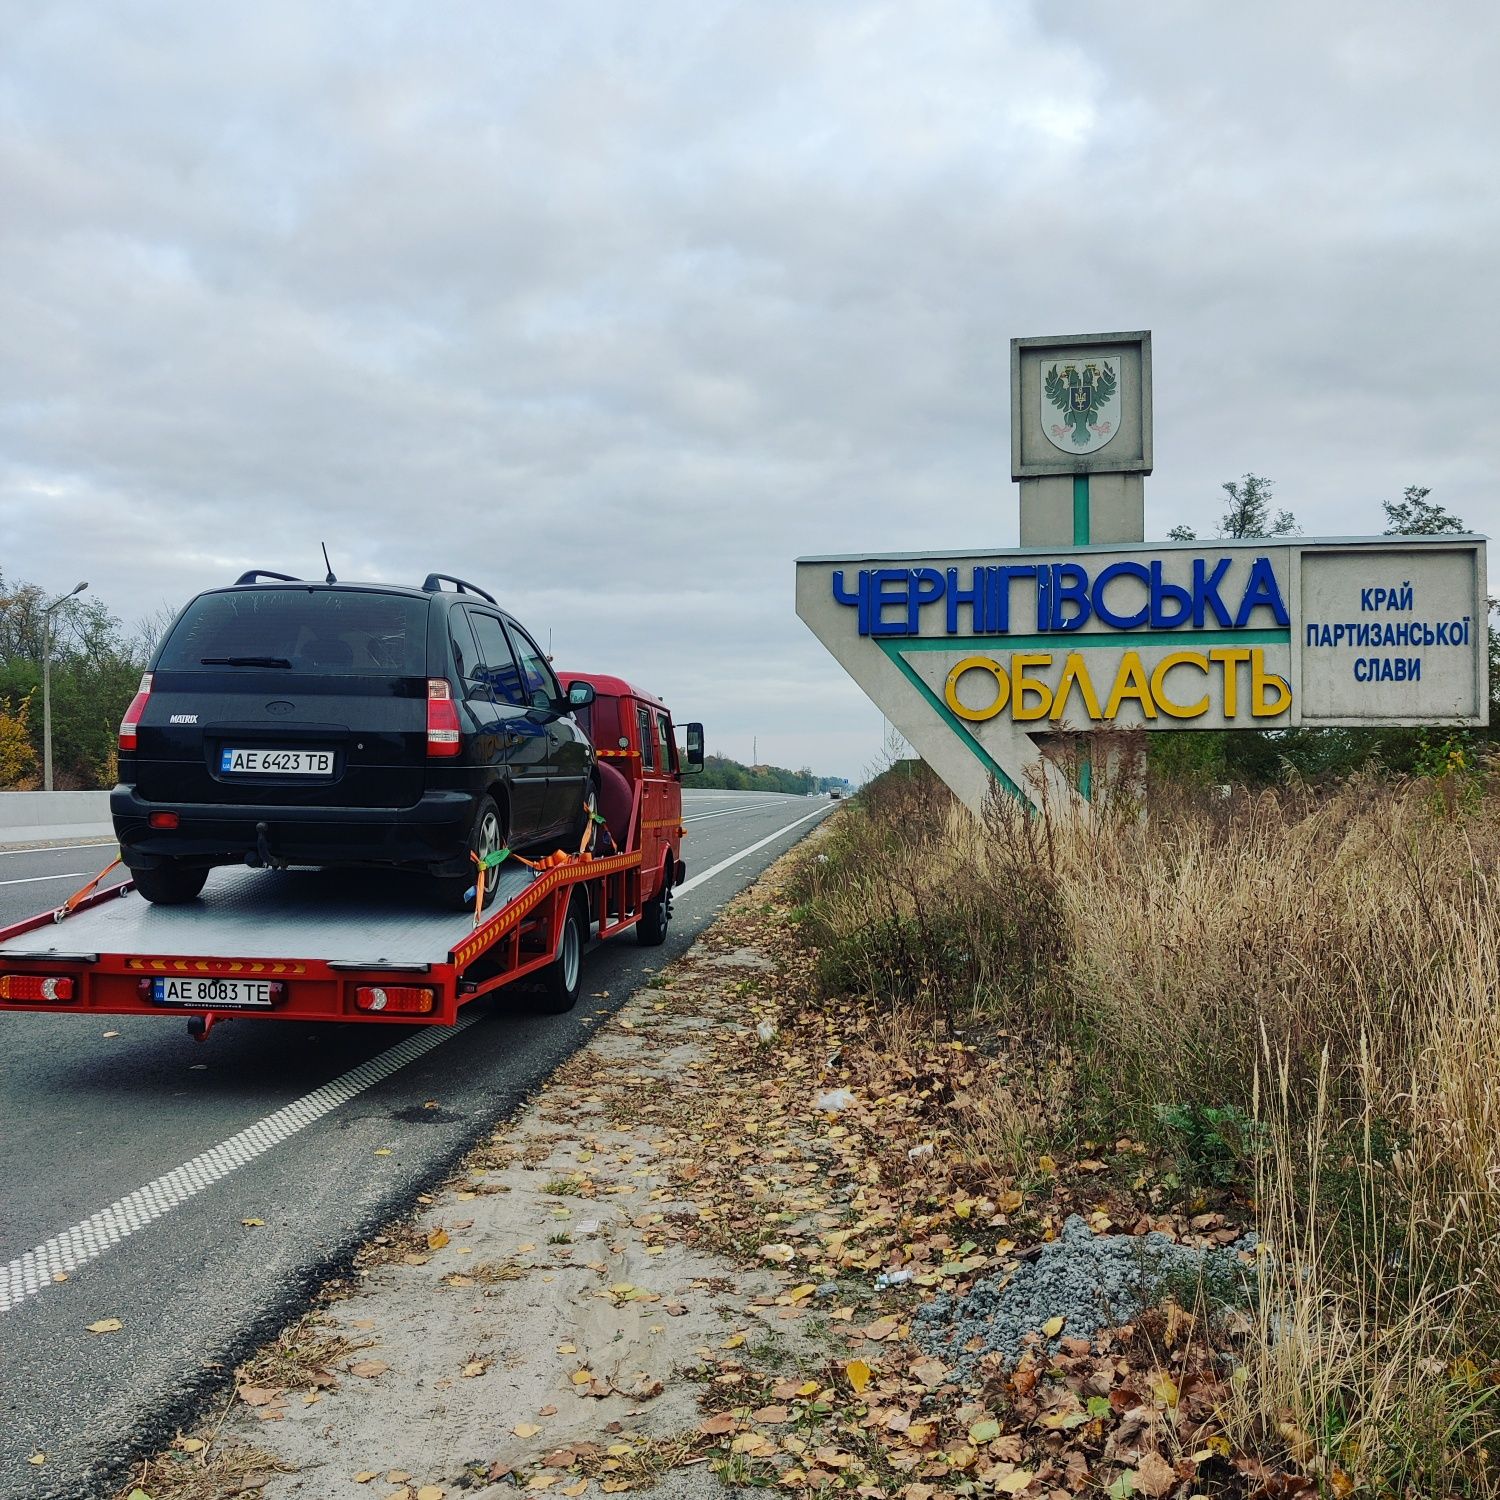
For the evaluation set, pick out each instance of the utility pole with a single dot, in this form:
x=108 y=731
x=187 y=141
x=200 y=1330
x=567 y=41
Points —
x=47 y=682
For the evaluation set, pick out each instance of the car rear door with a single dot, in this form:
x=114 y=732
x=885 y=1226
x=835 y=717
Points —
x=568 y=747
x=296 y=696
x=526 y=750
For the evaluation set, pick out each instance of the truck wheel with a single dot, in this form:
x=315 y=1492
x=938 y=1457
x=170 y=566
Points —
x=171 y=884
x=563 y=977
x=485 y=837
x=656 y=915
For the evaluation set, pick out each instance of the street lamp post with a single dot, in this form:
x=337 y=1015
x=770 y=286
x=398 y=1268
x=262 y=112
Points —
x=47 y=682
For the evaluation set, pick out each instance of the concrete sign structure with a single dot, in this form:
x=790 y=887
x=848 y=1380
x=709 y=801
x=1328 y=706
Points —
x=1080 y=436
x=975 y=657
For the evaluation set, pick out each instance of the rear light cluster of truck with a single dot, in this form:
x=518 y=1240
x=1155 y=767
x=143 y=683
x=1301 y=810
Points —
x=44 y=988
x=397 y=999
x=131 y=723
x=442 y=719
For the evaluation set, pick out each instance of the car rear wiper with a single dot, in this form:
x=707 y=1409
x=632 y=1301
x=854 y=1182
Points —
x=243 y=661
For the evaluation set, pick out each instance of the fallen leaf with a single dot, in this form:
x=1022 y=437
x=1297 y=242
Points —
x=435 y=1241
x=1016 y=1481
x=1053 y=1326
x=368 y=1369
x=429 y=1492
x=984 y=1432
x=383 y=1151
x=781 y=1254
x=190 y=1445
x=365 y=1476
x=1154 y=1476
x=1045 y=1164
x=38 y=1458
x=859 y=1374
x=110 y=1033
x=526 y=1429
x=771 y=1416
x=59 y=1276
x=106 y=1325
x=881 y=1328
x=253 y=1223
x=574 y=1489
x=473 y=1368
x=255 y=1395
x=717 y=1426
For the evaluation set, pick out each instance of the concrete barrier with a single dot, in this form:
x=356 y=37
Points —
x=38 y=817
x=38 y=809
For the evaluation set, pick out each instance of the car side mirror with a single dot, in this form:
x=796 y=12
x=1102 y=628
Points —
x=580 y=694
x=695 y=745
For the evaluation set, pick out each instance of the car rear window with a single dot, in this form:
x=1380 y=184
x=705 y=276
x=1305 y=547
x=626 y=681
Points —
x=328 y=632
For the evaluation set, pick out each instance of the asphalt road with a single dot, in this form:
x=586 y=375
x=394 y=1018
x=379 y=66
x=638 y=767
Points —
x=86 y=1119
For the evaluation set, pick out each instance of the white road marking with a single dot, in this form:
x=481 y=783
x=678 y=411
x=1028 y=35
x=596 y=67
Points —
x=734 y=859
x=32 y=1272
x=722 y=813
x=32 y=879
x=103 y=843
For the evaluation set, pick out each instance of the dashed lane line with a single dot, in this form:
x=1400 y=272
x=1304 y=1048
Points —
x=32 y=1272
x=734 y=859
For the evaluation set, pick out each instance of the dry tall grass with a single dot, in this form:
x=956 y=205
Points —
x=1324 y=968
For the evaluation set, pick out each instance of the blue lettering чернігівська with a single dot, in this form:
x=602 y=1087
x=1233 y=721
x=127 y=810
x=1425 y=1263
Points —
x=891 y=601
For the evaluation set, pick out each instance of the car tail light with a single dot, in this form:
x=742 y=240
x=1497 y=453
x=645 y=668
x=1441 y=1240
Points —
x=162 y=820
x=132 y=720
x=400 y=999
x=442 y=719
x=44 y=987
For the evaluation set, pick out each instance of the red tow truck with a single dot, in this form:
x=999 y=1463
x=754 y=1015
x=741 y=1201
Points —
x=358 y=945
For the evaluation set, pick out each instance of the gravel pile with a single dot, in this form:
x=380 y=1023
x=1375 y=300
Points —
x=1091 y=1281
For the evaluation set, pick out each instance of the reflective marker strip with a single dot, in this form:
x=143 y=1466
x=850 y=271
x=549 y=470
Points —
x=734 y=859
x=33 y=1272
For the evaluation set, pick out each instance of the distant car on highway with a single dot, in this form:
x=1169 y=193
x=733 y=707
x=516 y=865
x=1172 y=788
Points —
x=285 y=722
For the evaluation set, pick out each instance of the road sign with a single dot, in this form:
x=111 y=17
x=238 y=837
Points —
x=974 y=657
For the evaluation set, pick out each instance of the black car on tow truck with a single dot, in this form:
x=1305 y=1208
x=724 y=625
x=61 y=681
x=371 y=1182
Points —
x=286 y=722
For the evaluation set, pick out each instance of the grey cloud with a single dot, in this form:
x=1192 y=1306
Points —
x=624 y=309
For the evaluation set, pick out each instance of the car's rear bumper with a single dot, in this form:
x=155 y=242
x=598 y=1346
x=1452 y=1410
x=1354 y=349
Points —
x=433 y=833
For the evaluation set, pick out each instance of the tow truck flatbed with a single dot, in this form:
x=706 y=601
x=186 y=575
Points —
x=311 y=945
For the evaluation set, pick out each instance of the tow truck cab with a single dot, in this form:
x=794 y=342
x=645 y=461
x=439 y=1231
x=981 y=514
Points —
x=636 y=743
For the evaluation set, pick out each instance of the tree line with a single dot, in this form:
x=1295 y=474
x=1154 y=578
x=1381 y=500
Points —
x=722 y=773
x=96 y=666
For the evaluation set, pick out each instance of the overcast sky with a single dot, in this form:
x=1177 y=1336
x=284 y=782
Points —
x=618 y=309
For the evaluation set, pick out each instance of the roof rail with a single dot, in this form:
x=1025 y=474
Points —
x=433 y=584
x=257 y=573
